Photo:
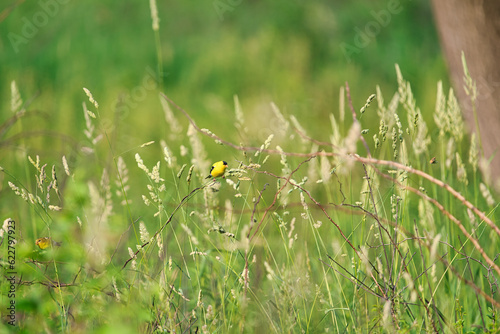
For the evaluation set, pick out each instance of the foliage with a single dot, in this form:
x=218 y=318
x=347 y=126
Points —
x=371 y=218
x=300 y=234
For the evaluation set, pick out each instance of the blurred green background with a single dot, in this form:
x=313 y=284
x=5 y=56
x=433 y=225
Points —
x=291 y=53
x=287 y=52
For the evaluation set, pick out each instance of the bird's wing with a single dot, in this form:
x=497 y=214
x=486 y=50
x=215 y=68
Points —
x=210 y=174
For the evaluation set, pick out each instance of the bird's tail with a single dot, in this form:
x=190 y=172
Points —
x=208 y=177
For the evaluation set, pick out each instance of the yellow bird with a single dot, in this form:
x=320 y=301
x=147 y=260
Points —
x=45 y=242
x=218 y=169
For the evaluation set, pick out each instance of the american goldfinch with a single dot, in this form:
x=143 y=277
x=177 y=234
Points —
x=46 y=242
x=218 y=169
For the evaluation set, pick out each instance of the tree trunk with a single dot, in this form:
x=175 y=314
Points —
x=473 y=26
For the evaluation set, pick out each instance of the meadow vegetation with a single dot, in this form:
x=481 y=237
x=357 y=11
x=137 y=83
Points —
x=372 y=217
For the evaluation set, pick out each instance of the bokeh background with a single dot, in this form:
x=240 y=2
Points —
x=286 y=52
x=295 y=54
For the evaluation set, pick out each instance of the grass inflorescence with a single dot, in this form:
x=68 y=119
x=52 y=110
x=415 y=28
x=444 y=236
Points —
x=374 y=227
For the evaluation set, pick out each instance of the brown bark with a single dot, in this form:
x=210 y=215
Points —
x=473 y=26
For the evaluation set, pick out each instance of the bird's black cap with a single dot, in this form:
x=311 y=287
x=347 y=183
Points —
x=225 y=163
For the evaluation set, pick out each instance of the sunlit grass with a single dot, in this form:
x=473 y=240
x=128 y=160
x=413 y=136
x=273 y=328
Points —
x=347 y=231
x=354 y=211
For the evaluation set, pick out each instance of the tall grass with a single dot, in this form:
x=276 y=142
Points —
x=373 y=227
